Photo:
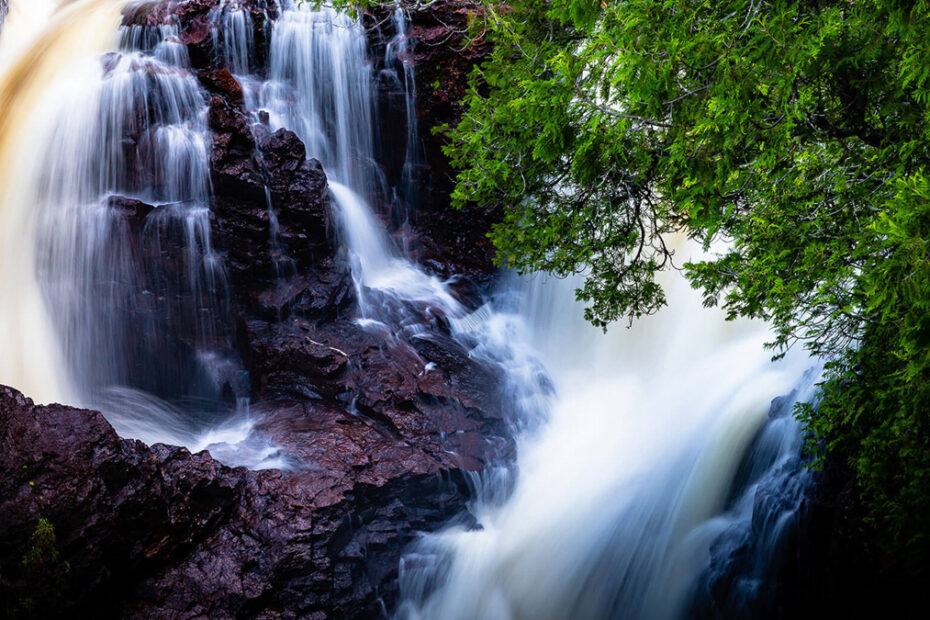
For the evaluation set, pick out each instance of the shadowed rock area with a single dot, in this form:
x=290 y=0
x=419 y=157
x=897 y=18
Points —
x=445 y=42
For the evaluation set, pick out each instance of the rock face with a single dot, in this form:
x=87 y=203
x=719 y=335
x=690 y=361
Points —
x=379 y=426
x=396 y=403
x=158 y=532
x=444 y=50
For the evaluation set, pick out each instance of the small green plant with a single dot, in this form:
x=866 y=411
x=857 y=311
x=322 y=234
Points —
x=41 y=589
x=43 y=550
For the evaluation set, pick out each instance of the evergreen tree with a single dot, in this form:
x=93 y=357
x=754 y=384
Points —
x=796 y=132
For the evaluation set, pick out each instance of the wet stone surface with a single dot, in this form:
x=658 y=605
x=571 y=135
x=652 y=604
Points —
x=378 y=423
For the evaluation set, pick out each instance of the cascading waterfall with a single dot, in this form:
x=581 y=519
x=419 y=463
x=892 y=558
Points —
x=235 y=34
x=622 y=492
x=319 y=85
x=123 y=303
x=43 y=54
x=641 y=453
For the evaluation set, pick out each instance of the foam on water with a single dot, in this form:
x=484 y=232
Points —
x=630 y=447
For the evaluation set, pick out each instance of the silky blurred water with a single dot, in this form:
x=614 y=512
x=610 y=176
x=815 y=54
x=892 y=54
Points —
x=639 y=451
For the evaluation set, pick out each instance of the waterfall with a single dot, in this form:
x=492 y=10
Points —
x=398 y=62
x=44 y=55
x=642 y=453
x=121 y=303
x=320 y=86
x=28 y=19
x=642 y=464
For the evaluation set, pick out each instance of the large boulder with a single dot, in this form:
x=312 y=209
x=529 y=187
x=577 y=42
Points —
x=95 y=525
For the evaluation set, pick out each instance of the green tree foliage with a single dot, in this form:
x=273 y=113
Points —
x=796 y=131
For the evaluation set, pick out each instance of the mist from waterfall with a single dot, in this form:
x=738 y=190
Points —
x=654 y=442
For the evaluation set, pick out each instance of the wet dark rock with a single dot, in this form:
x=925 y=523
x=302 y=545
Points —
x=222 y=82
x=135 y=211
x=298 y=335
x=158 y=532
x=444 y=51
x=441 y=401
x=378 y=423
x=255 y=171
x=148 y=13
x=195 y=18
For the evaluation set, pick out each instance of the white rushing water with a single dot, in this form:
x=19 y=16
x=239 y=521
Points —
x=319 y=85
x=44 y=53
x=129 y=311
x=632 y=442
x=621 y=492
x=639 y=451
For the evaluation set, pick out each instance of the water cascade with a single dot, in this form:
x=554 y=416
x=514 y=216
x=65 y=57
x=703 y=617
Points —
x=320 y=86
x=640 y=453
x=399 y=68
x=43 y=55
x=633 y=472
x=656 y=441
x=126 y=307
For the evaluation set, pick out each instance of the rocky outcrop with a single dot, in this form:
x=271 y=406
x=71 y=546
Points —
x=828 y=561
x=259 y=175
x=157 y=532
x=295 y=308
x=444 y=48
x=314 y=368
x=195 y=19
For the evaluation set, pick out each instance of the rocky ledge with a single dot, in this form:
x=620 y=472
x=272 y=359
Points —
x=129 y=530
x=397 y=402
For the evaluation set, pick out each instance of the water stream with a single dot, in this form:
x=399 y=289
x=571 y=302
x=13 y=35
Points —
x=114 y=297
x=641 y=453
x=654 y=442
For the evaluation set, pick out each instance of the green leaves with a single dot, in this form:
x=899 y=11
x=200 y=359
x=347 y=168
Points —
x=798 y=131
